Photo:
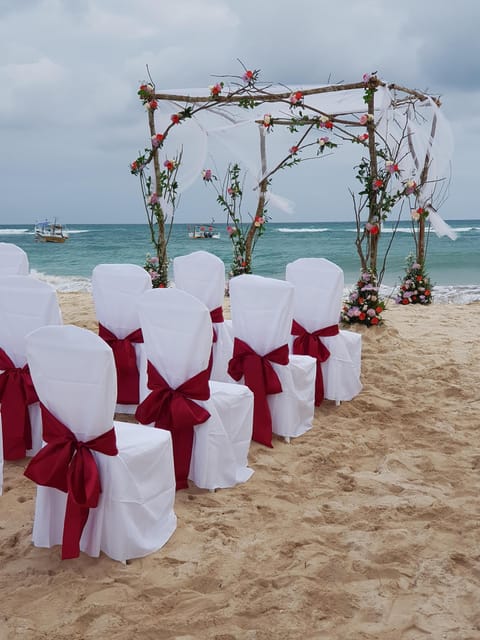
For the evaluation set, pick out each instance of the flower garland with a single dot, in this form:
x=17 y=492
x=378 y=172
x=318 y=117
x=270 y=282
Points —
x=416 y=287
x=364 y=304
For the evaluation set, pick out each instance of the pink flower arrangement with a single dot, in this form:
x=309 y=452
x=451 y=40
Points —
x=363 y=137
x=296 y=98
x=152 y=105
x=216 y=89
x=169 y=165
x=248 y=76
x=366 y=78
x=207 y=175
x=175 y=118
x=157 y=140
x=410 y=187
x=377 y=184
x=259 y=220
x=267 y=121
x=152 y=199
x=392 y=167
x=416 y=214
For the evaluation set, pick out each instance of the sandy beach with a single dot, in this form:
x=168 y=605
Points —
x=366 y=527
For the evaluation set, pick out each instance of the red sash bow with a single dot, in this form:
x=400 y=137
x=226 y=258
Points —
x=16 y=393
x=260 y=377
x=217 y=316
x=176 y=411
x=125 y=363
x=68 y=464
x=309 y=344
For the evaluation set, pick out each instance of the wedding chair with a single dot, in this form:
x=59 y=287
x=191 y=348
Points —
x=103 y=485
x=283 y=384
x=116 y=289
x=202 y=274
x=319 y=286
x=13 y=260
x=25 y=304
x=210 y=422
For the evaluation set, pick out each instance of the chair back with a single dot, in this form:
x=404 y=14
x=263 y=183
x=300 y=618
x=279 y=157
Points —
x=13 y=260
x=73 y=372
x=262 y=311
x=25 y=305
x=202 y=274
x=116 y=289
x=177 y=333
x=318 y=295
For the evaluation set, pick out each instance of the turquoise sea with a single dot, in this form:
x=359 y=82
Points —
x=454 y=266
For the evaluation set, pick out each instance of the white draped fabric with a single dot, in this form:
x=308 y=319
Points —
x=13 y=260
x=74 y=373
x=177 y=331
x=226 y=133
x=319 y=286
x=202 y=274
x=25 y=305
x=262 y=314
x=116 y=289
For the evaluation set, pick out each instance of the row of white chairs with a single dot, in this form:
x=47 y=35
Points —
x=75 y=376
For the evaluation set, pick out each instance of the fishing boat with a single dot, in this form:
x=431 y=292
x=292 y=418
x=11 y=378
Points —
x=201 y=232
x=50 y=232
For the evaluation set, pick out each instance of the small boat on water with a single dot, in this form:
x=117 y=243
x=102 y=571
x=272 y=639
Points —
x=50 y=232
x=201 y=232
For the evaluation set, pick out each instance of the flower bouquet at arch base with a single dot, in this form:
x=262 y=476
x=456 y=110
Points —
x=152 y=267
x=364 y=305
x=415 y=287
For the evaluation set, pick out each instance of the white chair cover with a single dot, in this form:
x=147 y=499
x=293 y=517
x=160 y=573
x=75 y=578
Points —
x=26 y=304
x=319 y=286
x=202 y=274
x=262 y=312
x=74 y=373
x=116 y=289
x=13 y=260
x=177 y=331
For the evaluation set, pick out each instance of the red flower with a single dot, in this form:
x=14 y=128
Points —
x=175 y=118
x=427 y=292
x=374 y=229
x=361 y=301
x=361 y=316
x=153 y=104
x=374 y=320
x=377 y=184
x=405 y=301
x=419 y=278
x=378 y=310
x=293 y=150
x=169 y=165
x=248 y=76
x=329 y=125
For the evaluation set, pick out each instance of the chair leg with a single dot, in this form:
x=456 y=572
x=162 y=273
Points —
x=287 y=439
x=337 y=403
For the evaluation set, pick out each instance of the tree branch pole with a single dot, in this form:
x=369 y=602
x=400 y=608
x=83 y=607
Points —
x=373 y=215
x=160 y=245
x=423 y=180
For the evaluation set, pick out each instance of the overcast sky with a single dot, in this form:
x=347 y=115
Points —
x=71 y=121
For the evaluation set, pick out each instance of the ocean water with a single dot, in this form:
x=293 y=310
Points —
x=453 y=266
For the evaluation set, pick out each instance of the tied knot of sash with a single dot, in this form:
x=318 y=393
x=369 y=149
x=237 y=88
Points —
x=176 y=411
x=262 y=379
x=16 y=393
x=310 y=344
x=216 y=316
x=125 y=363
x=68 y=464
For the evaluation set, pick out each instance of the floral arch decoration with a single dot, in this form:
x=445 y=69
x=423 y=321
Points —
x=405 y=141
